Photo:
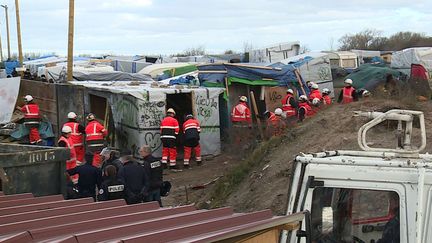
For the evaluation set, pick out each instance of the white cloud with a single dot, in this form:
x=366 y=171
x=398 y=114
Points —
x=126 y=3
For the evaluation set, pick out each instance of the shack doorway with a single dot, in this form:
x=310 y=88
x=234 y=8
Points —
x=101 y=108
x=182 y=104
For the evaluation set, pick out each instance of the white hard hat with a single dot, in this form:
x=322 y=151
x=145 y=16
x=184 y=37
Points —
x=326 y=91
x=278 y=111
x=72 y=115
x=315 y=101
x=66 y=129
x=365 y=93
x=290 y=91
x=243 y=98
x=303 y=97
x=28 y=98
x=348 y=81
x=171 y=110
x=314 y=86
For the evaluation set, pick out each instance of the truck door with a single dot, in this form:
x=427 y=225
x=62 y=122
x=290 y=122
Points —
x=354 y=215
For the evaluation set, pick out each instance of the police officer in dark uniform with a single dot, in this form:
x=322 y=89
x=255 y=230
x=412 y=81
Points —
x=89 y=177
x=136 y=180
x=109 y=158
x=153 y=167
x=111 y=188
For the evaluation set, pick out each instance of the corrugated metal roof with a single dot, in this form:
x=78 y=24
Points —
x=24 y=218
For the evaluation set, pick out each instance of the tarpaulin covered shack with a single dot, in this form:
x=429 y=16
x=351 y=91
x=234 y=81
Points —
x=138 y=109
x=269 y=84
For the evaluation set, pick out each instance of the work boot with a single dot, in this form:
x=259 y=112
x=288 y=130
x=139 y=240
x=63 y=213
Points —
x=199 y=163
x=186 y=166
x=164 y=166
x=173 y=167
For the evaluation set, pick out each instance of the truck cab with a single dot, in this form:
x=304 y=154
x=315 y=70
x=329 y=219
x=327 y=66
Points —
x=371 y=196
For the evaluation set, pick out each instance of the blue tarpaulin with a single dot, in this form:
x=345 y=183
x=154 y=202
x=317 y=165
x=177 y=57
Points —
x=10 y=66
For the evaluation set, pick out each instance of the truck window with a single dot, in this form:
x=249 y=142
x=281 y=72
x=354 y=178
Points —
x=354 y=215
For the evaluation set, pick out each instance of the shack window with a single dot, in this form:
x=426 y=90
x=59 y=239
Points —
x=349 y=63
x=354 y=215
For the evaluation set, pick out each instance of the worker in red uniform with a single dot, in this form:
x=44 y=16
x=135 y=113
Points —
x=315 y=92
x=276 y=123
x=348 y=94
x=289 y=104
x=241 y=120
x=31 y=119
x=191 y=130
x=95 y=138
x=65 y=141
x=326 y=99
x=77 y=136
x=169 y=131
x=305 y=110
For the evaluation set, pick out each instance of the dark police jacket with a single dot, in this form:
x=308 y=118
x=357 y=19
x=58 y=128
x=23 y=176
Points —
x=89 y=178
x=111 y=189
x=135 y=179
x=153 y=167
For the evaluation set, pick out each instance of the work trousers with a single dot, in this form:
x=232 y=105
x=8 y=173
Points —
x=154 y=195
x=169 y=153
x=34 y=136
x=188 y=154
x=97 y=159
x=79 y=154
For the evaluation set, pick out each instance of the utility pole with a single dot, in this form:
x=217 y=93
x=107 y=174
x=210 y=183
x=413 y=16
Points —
x=7 y=29
x=70 y=41
x=1 y=50
x=20 y=54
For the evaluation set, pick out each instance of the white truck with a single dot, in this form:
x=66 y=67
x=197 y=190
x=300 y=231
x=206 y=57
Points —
x=374 y=195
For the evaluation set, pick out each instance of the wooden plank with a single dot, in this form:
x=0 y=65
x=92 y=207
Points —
x=257 y=114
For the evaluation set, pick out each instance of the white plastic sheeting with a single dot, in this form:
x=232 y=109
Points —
x=274 y=53
x=9 y=88
x=138 y=111
x=158 y=69
x=403 y=59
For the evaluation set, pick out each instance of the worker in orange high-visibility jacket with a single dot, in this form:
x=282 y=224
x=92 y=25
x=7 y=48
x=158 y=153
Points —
x=326 y=100
x=348 y=94
x=31 y=119
x=276 y=123
x=315 y=92
x=77 y=136
x=191 y=130
x=65 y=141
x=241 y=114
x=169 y=131
x=305 y=110
x=289 y=104
x=95 y=138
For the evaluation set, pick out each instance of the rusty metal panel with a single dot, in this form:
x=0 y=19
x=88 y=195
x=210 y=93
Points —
x=71 y=98
x=43 y=206
x=106 y=220
x=75 y=217
x=15 y=197
x=152 y=225
x=45 y=96
x=186 y=231
x=26 y=201
x=6 y=219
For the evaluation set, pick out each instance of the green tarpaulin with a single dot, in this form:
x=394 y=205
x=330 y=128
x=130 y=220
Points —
x=369 y=76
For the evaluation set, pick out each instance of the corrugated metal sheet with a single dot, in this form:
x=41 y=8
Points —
x=24 y=218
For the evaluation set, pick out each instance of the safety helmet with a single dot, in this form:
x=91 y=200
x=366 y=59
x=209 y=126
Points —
x=91 y=117
x=72 y=115
x=243 y=98
x=303 y=97
x=348 y=81
x=365 y=93
x=314 y=86
x=66 y=129
x=189 y=116
x=28 y=98
x=278 y=111
x=171 y=110
x=290 y=91
x=315 y=101
x=326 y=91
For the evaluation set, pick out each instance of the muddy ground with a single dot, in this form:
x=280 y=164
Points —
x=266 y=186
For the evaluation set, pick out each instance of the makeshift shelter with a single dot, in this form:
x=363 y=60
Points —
x=370 y=76
x=136 y=110
x=274 y=53
x=366 y=56
x=132 y=64
x=313 y=66
x=343 y=59
x=158 y=69
x=269 y=84
x=403 y=59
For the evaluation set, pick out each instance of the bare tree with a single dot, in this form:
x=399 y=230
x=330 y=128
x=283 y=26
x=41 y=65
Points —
x=304 y=49
x=331 y=44
x=363 y=40
x=247 y=46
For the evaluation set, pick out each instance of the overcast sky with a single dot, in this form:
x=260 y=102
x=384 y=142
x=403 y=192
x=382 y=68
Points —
x=171 y=26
